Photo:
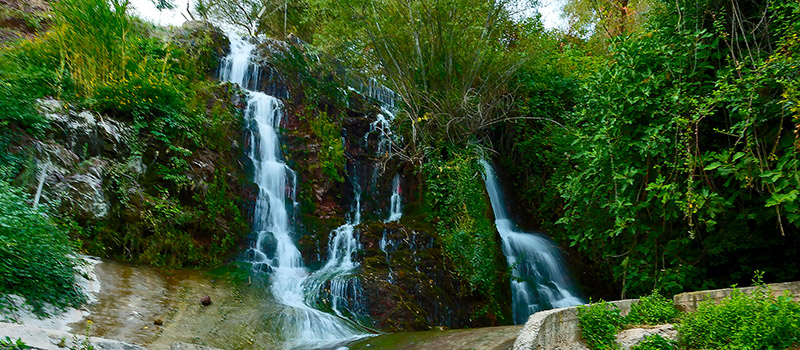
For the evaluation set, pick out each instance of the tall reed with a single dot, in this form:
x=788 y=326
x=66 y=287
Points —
x=94 y=39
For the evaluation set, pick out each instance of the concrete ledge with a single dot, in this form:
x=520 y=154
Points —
x=558 y=329
x=688 y=302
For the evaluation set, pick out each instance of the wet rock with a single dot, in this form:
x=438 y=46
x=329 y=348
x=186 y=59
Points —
x=81 y=194
x=186 y=346
x=84 y=133
x=205 y=301
x=40 y=338
x=630 y=337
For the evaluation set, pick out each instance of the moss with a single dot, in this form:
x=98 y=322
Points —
x=458 y=207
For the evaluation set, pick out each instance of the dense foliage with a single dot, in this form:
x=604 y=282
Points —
x=651 y=309
x=172 y=183
x=461 y=216
x=599 y=323
x=757 y=320
x=658 y=139
x=680 y=137
x=36 y=259
x=655 y=342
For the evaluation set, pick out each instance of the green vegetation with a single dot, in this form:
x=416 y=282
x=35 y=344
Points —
x=675 y=166
x=8 y=344
x=655 y=342
x=661 y=146
x=756 y=320
x=460 y=212
x=36 y=259
x=165 y=209
x=599 y=323
x=651 y=309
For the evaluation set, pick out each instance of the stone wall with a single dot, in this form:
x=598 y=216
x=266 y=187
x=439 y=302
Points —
x=688 y=302
x=558 y=329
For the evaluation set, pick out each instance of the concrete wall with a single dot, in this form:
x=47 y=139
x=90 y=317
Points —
x=688 y=302
x=558 y=329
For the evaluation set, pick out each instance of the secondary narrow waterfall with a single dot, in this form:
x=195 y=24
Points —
x=274 y=249
x=395 y=202
x=346 y=297
x=540 y=280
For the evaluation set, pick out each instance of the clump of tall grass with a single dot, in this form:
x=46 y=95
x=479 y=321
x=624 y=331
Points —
x=93 y=37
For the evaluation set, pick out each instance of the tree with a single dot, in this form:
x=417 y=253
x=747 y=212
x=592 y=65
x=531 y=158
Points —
x=450 y=61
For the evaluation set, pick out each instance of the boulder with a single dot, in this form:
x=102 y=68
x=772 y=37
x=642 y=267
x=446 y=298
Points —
x=81 y=194
x=85 y=133
x=630 y=337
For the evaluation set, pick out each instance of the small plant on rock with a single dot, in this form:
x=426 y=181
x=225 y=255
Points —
x=9 y=344
x=600 y=323
x=655 y=342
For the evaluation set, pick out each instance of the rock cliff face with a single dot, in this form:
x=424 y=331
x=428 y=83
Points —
x=71 y=161
x=404 y=281
x=113 y=185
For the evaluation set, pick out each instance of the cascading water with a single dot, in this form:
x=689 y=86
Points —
x=395 y=202
x=339 y=271
x=274 y=250
x=540 y=279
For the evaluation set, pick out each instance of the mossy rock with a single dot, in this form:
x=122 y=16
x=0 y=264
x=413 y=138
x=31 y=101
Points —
x=206 y=42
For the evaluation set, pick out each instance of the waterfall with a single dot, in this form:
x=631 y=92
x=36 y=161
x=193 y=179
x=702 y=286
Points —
x=346 y=297
x=42 y=177
x=395 y=202
x=383 y=126
x=386 y=244
x=540 y=279
x=273 y=248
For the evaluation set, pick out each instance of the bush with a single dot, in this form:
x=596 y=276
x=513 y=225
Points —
x=28 y=71
x=599 y=324
x=655 y=342
x=651 y=309
x=36 y=258
x=758 y=320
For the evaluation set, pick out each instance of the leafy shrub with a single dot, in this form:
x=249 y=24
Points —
x=331 y=152
x=758 y=320
x=9 y=344
x=651 y=309
x=28 y=71
x=36 y=259
x=599 y=323
x=655 y=342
